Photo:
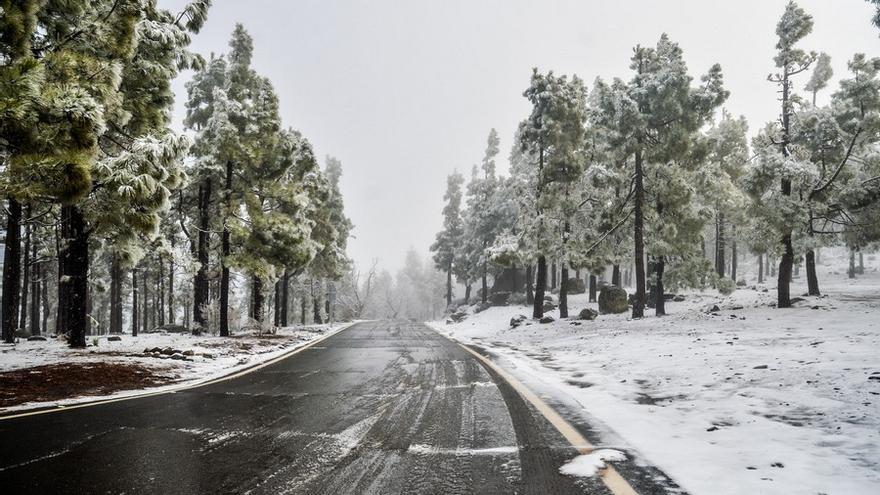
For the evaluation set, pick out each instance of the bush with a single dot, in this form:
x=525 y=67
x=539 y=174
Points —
x=725 y=286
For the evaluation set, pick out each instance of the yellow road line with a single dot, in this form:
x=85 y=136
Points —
x=184 y=386
x=612 y=479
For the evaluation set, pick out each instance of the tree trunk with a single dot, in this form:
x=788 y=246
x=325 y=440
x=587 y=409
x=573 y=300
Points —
x=134 y=302
x=660 y=297
x=812 y=279
x=733 y=254
x=257 y=297
x=44 y=295
x=146 y=304
x=615 y=275
x=115 y=295
x=226 y=248
x=26 y=271
x=852 y=264
x=760 y=268
x=638 y=240
x=719 y=245
x=285 y=294
x=467 y=294
x=302 y=309
x=592 y=288
x=861 y=270
x=76 y=272
x=485 y=292
x=448 y=284
x=37 y=283
x=171 y=308
x=160 y=292
x=200 y=281
x=563 y=293
x=277 y=303
x=11 y=272
x=553 y=275
x=316 y=304
x=540 y=286
x=783 y=289
x=530 y=277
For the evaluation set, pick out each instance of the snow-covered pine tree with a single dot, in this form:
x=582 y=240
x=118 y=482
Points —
x=447 y=243
x=554 y=133
x=654 y=117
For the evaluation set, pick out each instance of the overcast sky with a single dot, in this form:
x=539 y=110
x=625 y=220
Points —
x=404 y=92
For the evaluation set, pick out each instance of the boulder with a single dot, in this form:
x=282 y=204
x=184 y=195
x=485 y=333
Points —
x=499 y=298
x=458 y=316
x=114 y=338
x=588 y=314
x=613 y=300
x=548 y=306
x=576 y=286
x=548 y=298
x=517 y=320
x=546 y=319
x=40 y=338
x=678 y=298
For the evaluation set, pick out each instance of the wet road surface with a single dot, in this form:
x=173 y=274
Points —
x=381 y=408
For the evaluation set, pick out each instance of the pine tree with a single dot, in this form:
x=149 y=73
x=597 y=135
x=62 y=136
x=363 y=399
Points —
x=654 y=118
x=447 y=244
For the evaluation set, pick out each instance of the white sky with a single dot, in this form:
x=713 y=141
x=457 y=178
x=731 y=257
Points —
x=405 y=91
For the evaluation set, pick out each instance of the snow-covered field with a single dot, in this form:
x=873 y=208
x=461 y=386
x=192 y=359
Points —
x=748 y=400
x=200 y=358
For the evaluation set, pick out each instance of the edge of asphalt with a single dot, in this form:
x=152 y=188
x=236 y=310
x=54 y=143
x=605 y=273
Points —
x=184 y=386
x=615 y=483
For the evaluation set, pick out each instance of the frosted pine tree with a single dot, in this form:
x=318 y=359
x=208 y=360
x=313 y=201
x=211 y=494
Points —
x=448 y=242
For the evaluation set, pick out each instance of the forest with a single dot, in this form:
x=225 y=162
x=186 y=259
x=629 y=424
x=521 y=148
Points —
x=651 y=177
x=114 y=221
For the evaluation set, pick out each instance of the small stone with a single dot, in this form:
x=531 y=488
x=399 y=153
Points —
x=546 y=319
x=714 y=309
x=678 y=298
x=188 y=352
x=588 y=314
x=777 y=465
x=167 y=351
x=760 y=367
x=36 y=338
x=177 y=356
x=114 y=338
x=712 y=428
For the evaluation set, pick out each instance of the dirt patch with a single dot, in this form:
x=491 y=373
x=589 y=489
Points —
x=64 y=381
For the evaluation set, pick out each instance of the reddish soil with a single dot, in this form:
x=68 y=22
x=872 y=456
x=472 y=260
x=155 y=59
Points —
x=68 y=380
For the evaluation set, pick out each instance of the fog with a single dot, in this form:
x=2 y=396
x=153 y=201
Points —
x=405 y=92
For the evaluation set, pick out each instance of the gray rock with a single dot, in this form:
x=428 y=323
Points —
x=167 y=351
x=178 y=356
x=548 y=306
x=499 y=298
x=613 y=300
x=678 y=298
x=114 y=338
x=517 y=320
x=588 y=314
x=546 y=319
x=39 y=338
x=188 y=352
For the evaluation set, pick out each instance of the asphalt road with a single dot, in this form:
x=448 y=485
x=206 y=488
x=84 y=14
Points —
x=382 y=408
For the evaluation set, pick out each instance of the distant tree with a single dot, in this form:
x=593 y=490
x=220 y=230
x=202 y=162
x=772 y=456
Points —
x=447 y=247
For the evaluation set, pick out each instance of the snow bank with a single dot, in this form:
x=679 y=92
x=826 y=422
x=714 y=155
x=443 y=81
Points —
x=747 y=399
x=212 y=356
x=587 y=465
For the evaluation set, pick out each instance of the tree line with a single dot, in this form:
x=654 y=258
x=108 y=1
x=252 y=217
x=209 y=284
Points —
x=113 y=217
x=644 y=174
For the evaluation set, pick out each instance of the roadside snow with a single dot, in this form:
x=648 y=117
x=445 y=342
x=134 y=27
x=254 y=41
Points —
x=748 y=399
x=587 y=465
x=212 y=356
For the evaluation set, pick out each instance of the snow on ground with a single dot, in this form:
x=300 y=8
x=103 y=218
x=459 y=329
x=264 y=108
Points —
x=748 y=400
x=211 y=356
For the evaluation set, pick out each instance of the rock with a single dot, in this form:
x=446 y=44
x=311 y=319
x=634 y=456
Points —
x=576 y=286
x=576 y=323
x=517 y=320
x=449 y=322
x=814 y=307
x=588 y=314
x=760 y=367
x=171 y=328
x=483 y=306
x=736 y=308
x=167 y=351
x=458 y=316
x=188 y=352
x=546 y=319
x=114 y=338
x=37 y=338
x=207 y=355
x=499 y=298
x=714 y=309
x=548 y=297
x=548 y=306
x=795 y=300
x=678 y=298
x=613 y=300
x=156 y=350
x=178 y=356
x=740 y=283
x=712 y=428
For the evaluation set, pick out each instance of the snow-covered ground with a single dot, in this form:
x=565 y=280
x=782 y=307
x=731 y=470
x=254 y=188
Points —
x=201 y=358
x=748 y=400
